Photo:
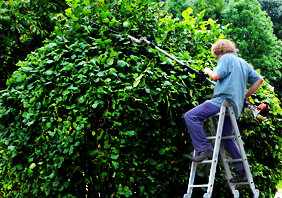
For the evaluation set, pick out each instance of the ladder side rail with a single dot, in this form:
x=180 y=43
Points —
x=243 y=153
x=216 y=149
x=191 y=179
x=228 y=172
x=225 y=163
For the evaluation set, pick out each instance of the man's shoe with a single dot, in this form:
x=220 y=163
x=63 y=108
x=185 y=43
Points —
x=239 y=177
x=202 y=155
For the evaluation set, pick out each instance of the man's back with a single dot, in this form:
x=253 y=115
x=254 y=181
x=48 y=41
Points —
x=234 y=74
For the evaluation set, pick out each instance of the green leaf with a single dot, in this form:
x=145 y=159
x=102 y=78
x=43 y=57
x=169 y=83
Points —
x=49 y=72
x=74 y=18
x=76 y=26
x=114 y=156
x=12 y=148
x=121 y=63
x=68 y=11
x=153 y=162
x=85 y=12
x=96 y=103
x=160 y=167
x=162 y=151
x=104 y=14
x=125 y=24
x=81 y=100
x=55 y=183
x=137 y=80
x=26 y=69
x=100 y=74
x=20 y=78
x=130 y=133
x=110 y=61
x=32 y=166
x=128 y=193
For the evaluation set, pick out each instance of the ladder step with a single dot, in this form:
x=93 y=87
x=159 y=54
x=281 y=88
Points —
x=223 y=138
x=218 y=114
x=199 y=186
x=205 y=162
x=240 y=183
x=233 y=160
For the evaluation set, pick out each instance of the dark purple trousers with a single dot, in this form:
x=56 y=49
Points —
x=194 y=118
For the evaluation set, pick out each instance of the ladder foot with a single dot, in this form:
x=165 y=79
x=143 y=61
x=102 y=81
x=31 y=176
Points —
x=207 y=195
x=187 y=195
x=236 y=193
x=256 y=193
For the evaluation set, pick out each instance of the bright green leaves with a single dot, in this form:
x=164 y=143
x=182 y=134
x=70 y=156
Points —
x=186 y=13
x=104 y=14
x=68 y=12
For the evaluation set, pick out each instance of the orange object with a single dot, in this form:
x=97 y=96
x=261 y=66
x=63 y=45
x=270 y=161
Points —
x=262 y=106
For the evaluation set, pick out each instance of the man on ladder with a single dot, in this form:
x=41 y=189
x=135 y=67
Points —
x=232 y=74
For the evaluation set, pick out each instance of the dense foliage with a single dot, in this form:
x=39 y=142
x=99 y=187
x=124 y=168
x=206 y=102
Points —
x=23 y=26
x=92 y=113
x=274 y=10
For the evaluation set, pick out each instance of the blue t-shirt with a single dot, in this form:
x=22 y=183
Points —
x=234 y=74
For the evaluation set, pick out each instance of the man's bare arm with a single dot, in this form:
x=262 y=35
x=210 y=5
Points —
x=253 y=88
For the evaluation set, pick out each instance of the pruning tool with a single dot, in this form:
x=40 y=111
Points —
x=260 y=113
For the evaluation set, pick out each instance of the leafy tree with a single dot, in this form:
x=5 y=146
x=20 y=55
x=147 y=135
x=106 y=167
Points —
x=176 y=7
x=274 y=10
x=253 y=34
x=23 y=26
x=213 y=8
x=92 y=110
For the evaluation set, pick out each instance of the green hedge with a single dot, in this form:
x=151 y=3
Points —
x=92 y=113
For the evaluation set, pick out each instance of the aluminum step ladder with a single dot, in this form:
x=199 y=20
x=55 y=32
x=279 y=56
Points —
x=226 y=109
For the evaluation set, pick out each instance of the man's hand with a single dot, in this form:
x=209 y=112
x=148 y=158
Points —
x=213 y=75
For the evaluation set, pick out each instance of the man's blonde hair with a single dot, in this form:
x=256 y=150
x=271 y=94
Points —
x=223 y=46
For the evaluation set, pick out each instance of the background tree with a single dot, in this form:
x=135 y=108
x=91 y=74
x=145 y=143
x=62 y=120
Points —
x=253 y=34
x=176 y=7
x=213 y=8
x=23 y=27
x=274 y=10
